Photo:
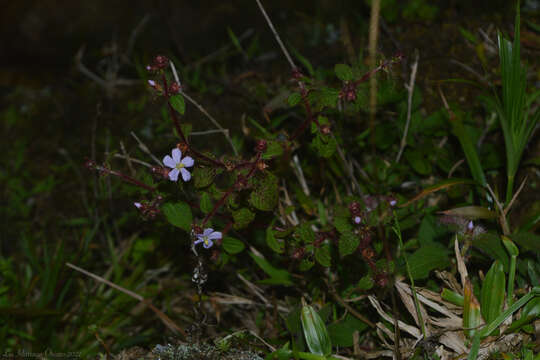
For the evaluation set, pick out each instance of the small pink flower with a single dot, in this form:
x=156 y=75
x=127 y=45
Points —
x=207 y=236
x=178 y=165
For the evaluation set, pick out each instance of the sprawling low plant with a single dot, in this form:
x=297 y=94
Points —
x=316 y=202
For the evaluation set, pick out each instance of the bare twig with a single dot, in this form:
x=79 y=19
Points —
x=145 y=149
x=300 y=174
x=502 y=213
x=137 y=161
x=202 y=109
x=164 y=318
x=410 y=90
x=507 y=209
x=373 y=35
x=349 y=307
x=276 y=35
x=348 y=167
x=128 y=158
x=221 y=50
x=133 y=36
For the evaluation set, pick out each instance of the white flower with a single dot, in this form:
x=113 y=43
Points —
x=178 y=165
x=207 y=236
x=138 y=205
x=357 y=219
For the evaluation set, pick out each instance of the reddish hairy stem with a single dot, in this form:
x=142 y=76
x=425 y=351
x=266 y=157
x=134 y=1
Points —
x=309 y=119
x=230 y=191
x=125 y=178
x=179 y=129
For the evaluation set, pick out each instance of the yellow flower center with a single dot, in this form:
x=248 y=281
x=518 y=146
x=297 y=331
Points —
x=205 y=239
x=180 y=165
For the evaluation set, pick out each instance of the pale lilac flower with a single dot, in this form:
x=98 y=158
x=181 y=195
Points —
x=357 y=219
x=178 y=165
x=393 y=202
x=207 y=236
x=138 y=205
x=152 y=83
x=470 y=225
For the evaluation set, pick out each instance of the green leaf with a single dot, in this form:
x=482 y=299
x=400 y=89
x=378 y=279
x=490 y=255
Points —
x=366 y=282
x=343 y=72
x=427 y=258
x=272 y=242
x=273 y=149
x=493 y=291
x=305 y=265
x=469 y=148
x=430 y=230
x=418 y=161
x=265 y=188
x=471 y=212
x=323 y=256
x=530 y=312
x=343 y=224
x=341 y=332
x=203 y=176
x=206 y=203
x=527 y=240
x=490 y=243
x=348 y=243
x=305 y=233
x=325 y=145
x=232 y=245
x=315 y=332
x=472 y=318
x=178 y=214
x=277 y=276
x=242 y=218
x=178 y=104
x=294 y=99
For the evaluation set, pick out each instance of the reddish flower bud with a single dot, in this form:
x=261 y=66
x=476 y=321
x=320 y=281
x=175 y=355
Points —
x=261 y=165
x=296 y=74
x=261 y=145
x=368 y=253
x=381 y=280
x=241 y=182
x=183 y=147
x=325 y=129
x=196 y=229
x=298 y=253
x=354 y=208
x=174 y=88
x=90 y=164
x=161 y=62
x=160 y=171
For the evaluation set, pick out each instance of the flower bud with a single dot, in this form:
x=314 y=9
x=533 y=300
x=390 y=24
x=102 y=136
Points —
x=174 y=88
x=161 y=62
x=261 y=145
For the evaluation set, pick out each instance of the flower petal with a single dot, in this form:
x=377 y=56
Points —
x=207 y=232
x=169 y=162
x=198 y=241
x=176 y=155
x=138 y=205
x=215 y=235
x=173 y=174
x=185 y=174
x=208 y=244
x=188 y=161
